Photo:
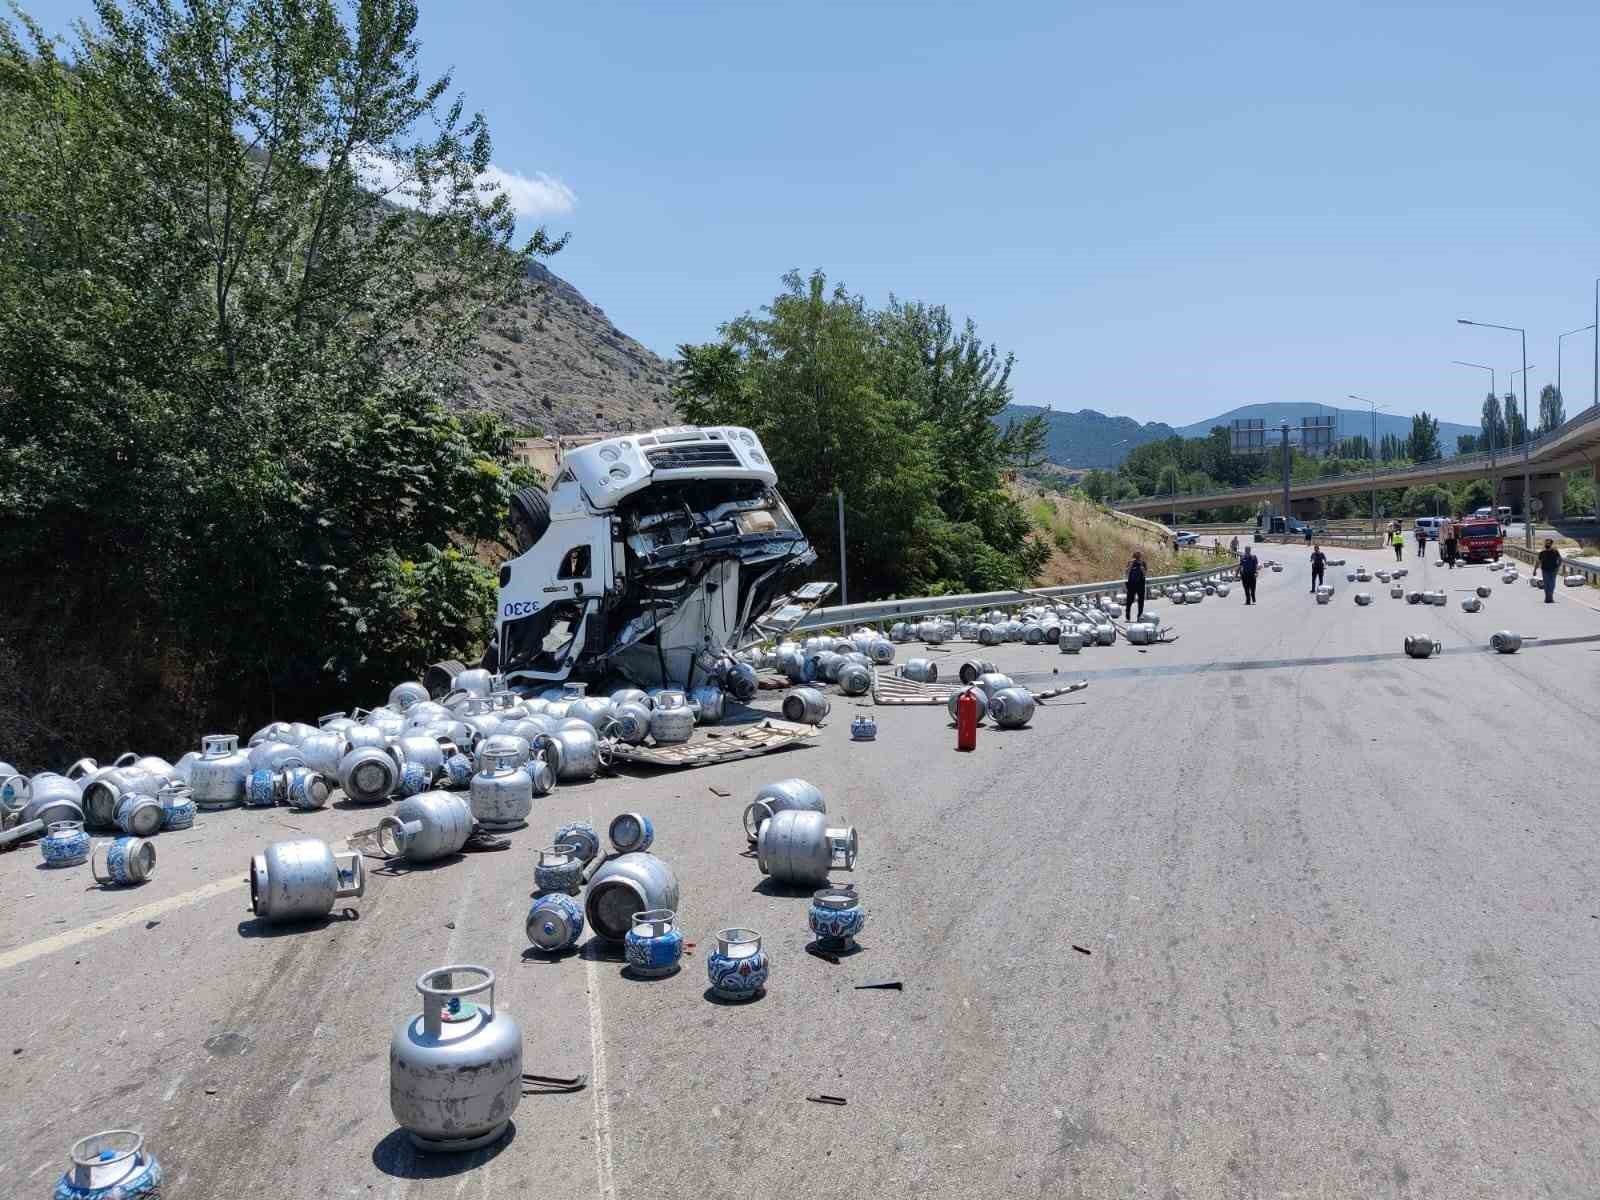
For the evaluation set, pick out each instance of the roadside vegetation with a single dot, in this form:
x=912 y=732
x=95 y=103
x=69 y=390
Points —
x=244 y=254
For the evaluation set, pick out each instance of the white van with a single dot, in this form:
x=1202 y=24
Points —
x=1431 y=525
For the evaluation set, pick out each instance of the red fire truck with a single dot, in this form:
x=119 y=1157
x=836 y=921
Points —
x=1481 y=539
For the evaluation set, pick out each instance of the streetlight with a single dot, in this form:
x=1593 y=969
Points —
x=1559 y=340
x=1372 y=452
x=1492 y=391
x=1527 y=481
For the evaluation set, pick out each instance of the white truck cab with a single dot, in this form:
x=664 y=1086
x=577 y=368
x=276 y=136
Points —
x=649 y=557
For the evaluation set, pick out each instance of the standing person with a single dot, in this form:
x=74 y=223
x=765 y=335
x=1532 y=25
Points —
x=1233 y=546
x=1133 y=589
x=1248 y=566
x=1550 y=564
x=1452 y=528
x=1422 y=542
x=1319 y=560
x=1399 y=541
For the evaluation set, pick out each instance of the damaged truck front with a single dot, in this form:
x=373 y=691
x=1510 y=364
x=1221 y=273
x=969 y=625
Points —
x=652 y=556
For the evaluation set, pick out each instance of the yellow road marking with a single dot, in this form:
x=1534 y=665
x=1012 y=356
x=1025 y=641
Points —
x=49 y=945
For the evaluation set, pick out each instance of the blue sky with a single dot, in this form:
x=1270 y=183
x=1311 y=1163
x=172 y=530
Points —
x=1165 y=210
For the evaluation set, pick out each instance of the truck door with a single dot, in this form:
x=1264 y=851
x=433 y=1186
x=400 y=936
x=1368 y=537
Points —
x=558 y=588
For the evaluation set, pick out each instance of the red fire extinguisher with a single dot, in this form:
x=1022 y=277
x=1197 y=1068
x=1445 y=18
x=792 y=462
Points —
x=967 y=721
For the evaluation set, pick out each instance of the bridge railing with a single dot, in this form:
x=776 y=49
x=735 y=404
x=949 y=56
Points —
x=1506 y=458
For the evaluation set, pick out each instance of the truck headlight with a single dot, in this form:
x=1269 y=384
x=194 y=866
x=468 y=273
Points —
x=620 y=471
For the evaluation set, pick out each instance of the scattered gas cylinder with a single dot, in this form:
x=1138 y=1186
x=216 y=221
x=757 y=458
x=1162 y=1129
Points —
x=1223 y=589
x=806 y=705
x=1576 y=579
x=305 y=789
x=1396 y=592
x=1413 y=597
x=920 y=670
x=625 y=885
x=881 y=651
x=1484 y=593
x=836 y=916
x=1509 y=577
x=1324 y=597
x=274 y=756
x=403 y=695
x=140 y=815
x=1401 y=572
x=555 y=922
x=1106 y=634
x=1363 y=599
x=502 y=796
x=1180 y=597
x=1011 y=708
x=264 y=788
x=1506 y=642
x=177 y=806
x=797 y=846
x=559 y=869
x=738 y=968
x=855 y=679
x=367 y=775
x=1071 y=641
x=64 y=844
x=302 y=879
x=458 y=771
x=455 y=1071
x=104 y=791
x=1471 y=604
x=1140 y=634
x=129 y=861
x=778 y=797
x=630 y=832
x=631 y=722
x=671 y=726
x=218 y=775
x=1422 y=646
x=48 y=797
x=953 y=704
x=989 y=635
x=863 y=729
x=111 y=1165
x=654 y=944
x=581 y=836
x=424 y=828
x=580 y=753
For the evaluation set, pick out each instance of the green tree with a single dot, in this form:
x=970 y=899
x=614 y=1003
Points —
x=255 y=251
x=1391 y=448
x=1492 y=425
x=1552 y=410
x=1466 y=443
x=1515 y=425
x=1423 y=444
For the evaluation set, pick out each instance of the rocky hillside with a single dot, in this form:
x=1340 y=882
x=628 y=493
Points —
x=552 y=362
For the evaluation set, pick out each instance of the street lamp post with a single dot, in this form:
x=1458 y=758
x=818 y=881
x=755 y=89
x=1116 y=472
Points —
x=1559 y=340
x=1527 y=480
x=1372 y=453
x=1493 y=391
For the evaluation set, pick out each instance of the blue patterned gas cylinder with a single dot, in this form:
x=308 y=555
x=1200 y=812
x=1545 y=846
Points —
x=177 y=806
x=113 y=1165
x=555 y=922
x=305 y=789
x=414 y=780
x=654 y=943
x=631 y=833
x=458 y=771
x=581 y=836
x=129 y=860
x=863 y=729
x=64 y=844
x=836 y=916
x=738 y=967
x=261 y=788
x=559 y=869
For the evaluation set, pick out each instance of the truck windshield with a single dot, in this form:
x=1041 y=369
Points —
x=1480 y=531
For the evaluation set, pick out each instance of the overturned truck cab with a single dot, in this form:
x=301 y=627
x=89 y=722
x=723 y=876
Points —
x=650 y=557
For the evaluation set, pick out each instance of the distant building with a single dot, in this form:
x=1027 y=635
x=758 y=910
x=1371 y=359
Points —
x=544 y=454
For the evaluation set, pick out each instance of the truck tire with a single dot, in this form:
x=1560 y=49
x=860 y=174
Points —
x=530 y=517
x=438 y=678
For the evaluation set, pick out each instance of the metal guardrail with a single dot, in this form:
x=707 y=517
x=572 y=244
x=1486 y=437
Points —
x=1568 y=566
x=1508 y=459
x=928 y=606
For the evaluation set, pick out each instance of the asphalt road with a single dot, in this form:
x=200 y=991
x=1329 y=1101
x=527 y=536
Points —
x=1340 y=910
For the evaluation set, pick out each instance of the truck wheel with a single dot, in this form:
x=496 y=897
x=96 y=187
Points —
x=438 y=678
x=530 y=516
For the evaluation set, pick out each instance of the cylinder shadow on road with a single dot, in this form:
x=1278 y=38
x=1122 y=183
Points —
x=397 y=1157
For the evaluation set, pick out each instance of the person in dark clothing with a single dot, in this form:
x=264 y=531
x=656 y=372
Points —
x=1422 y=542
x=1248 y=566
x=1319 y=560
x=1550 y=564
x=1134 y=587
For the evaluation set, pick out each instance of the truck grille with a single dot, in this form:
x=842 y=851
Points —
x=700 y=454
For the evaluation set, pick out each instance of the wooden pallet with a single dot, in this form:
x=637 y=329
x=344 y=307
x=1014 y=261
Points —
x=719 y=745
x=889 y=688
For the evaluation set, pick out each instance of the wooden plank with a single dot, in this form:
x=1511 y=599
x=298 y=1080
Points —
x=718 y=745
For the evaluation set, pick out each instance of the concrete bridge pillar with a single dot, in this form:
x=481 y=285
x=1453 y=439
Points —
x=1550 y=491
x=1308 y=508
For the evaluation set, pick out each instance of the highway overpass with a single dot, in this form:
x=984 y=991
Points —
x=1571 y=445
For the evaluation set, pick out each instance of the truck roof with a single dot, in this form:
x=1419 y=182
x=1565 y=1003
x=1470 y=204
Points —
x=607 y=472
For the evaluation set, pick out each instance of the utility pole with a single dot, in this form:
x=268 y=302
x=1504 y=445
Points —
x=844 y=579
x=1527 y=479
x=1372 y=454
x=1286 y=473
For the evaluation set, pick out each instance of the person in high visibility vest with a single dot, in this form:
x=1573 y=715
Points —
x=1398 y=540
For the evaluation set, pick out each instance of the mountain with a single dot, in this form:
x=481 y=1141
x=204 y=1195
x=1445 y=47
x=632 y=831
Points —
x=1087 y=438
x=1352 y=422
x=549 y=362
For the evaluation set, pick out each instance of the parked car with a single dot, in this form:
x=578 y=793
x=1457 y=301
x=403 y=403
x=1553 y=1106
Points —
x=1185 y=537
x=1431 y=526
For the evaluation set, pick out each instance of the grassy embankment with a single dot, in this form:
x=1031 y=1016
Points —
x=1088 y=544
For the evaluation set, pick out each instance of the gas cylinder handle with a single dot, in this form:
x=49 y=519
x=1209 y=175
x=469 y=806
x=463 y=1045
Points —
x=358 y=887
x=752 y=828
x=433 y=998
x=213 y=744
x=323 y=720
x=126 y=759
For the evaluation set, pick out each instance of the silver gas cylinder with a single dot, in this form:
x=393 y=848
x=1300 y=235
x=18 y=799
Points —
x=177 y=806
x=475 y=682
x=1506 y=642
x=424 y=827
x=673 y=725
x=898 y=632
x=1422 y=646
x=105 y=791
x=583 y=752
x=274 y=756
x=558 y=869
x=1471 y=604
x=625 y=885
x=1106 y=634
x=501 y=744
x=1485 y=592
x=798 y=847
x=140 y=814
x=1396 y=592
x=1509 y=577
x=630 y=695
x=555 y=923
x=403 y=695
x=273 y=731
x=301 y=879
x=828 y=664
x=990 y=635
x=969 y=670
x=711 y=703
x=502 y=796
x=782 y=796
x=455 y=1071
x=880 y=650
x=368 y=775
x=921 y=670
x=1140 y=634
x=1011 y=708
x=49 y=797
x=305 y=789
x=1071 y=641
x=978 y=694
x=632 y=720
x=806 y=706
x=218 y=775
x=322 y=750
x=1363 y=599
x=993 y=681
x=596 y=711
x=425 y=713
x=581 y=836
x=1033 y=635
x=855 y=680
x=741 y=681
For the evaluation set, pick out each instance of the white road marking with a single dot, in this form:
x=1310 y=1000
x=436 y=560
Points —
x=32 y=950
x=602 y=1116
